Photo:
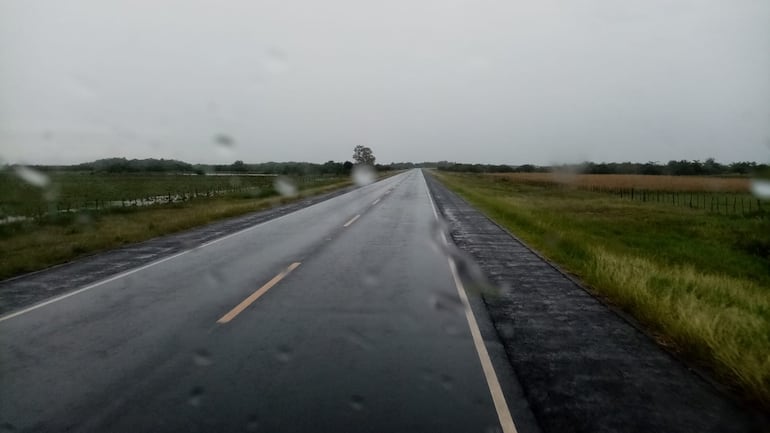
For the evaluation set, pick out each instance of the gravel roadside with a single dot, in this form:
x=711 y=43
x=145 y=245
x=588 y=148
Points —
x=582 y=367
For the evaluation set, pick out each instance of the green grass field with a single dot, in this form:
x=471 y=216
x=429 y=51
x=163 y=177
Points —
x=698 y=280
x=51 y=235
x=79 y=190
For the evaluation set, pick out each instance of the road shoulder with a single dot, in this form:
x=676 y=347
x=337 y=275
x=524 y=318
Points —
x=581 y=366
x=30 y=289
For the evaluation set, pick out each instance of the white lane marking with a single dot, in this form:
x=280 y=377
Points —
x=157 y=262
x=352 y=220
x=498 y=398
x=375 y=202
x=113 y=278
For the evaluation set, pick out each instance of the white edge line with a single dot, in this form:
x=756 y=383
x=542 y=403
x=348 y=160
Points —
x=498 y=398
x=352 y=220
x=149 y=265
x=89 y=287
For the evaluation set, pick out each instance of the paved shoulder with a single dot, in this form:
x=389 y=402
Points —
x=582 y=367
x=29 y=289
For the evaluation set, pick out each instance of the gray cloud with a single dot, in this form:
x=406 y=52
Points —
x=475 y=81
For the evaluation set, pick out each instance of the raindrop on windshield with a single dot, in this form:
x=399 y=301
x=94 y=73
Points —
x=363 y=175
x=196 y=396
x=451 y=330
x=283 y=354
x=285 y=187
x=252 y=424
x=760 y=188
x=446 y=381
x=370 y=280
x=358 y=340
x=441 y=301
x=225 y=145
x=357 y=402
x=275 y=62
x=32 y=177
x=202 y=358
x=224 y=140
x=506 y=330
x=84 y=219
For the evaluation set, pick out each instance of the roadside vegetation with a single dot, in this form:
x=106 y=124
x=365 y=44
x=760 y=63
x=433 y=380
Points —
x=76 y=214
x=75 y=191
x=698 y=280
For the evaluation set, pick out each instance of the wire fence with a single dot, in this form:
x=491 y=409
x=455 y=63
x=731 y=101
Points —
x=724 y=203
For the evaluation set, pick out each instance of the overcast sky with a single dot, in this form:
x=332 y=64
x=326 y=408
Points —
x=538 y=81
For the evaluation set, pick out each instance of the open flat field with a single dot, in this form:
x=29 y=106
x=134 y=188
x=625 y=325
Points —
x=638 y=181
x=699 y=281
x=68 y=191
x=80 y=213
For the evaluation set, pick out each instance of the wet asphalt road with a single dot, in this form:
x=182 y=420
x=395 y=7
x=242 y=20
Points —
x=366 y=334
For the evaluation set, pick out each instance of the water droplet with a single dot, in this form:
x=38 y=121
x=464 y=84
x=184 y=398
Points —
x=216 y=279
x=371 y=280
x=446 y=382
x=32 y=176
x=283 y=354
x=358 y=340
x=363 y=175
x=225 y=145
x=51 y=194
x=760 y=188
x=451 y=330
x=275 y=61
x=252 y=424
x=224 y=140
x=202 y=358
x=357 y=402
x=196 y=396
x=506 y=329
x=439 y=233
x=441 y=301
x=285 y=187
x=84 y=219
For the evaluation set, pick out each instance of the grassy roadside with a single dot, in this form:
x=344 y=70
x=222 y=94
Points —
x=33 y=245
x=699 y=281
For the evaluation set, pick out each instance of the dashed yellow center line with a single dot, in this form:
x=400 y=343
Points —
x=256 y=295
x=375 y=202
x=352 y=220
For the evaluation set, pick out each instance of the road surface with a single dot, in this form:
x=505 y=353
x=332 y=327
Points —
x=342 y=316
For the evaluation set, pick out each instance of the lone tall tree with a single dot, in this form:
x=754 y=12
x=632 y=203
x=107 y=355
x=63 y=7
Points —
x=363 y=155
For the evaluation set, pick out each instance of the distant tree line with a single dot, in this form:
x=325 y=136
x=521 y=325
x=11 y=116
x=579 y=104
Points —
x=708 y=167
x=675 y=168
x=123 y=165
x=150 y=165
